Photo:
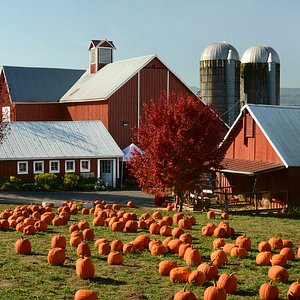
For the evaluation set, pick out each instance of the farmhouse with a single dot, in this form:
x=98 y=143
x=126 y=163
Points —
x=113 y=92
x=82 y=147
x=262 y=158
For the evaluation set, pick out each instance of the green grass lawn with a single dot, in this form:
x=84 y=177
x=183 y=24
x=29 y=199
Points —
x=31 y=277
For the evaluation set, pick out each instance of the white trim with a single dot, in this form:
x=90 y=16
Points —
x=54 y=171
x=66 y=162
x=39 y=171
x=138 y=99
x=89 y=165
x=18 y=167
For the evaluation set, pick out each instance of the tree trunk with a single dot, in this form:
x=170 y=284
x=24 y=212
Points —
x=181 y=200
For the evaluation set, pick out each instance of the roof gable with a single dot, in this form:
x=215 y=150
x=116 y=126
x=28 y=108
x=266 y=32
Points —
x=47 y=140
x=281 y=127
x=30 y=84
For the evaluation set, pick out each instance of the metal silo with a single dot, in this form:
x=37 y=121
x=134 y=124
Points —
x=260 y=76
x=219 y=79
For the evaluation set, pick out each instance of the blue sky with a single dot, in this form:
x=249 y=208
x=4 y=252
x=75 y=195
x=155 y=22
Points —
x=56 y=33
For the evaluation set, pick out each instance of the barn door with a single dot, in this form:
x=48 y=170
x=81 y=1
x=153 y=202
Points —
x=105 y=171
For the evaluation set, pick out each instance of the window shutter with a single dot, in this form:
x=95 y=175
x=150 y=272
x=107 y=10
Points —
x=249 y=126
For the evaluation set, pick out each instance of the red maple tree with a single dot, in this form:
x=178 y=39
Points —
x=180 y=138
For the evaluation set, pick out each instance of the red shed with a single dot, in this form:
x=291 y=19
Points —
x=263 y=155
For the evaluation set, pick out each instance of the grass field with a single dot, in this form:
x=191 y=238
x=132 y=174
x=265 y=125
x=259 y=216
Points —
x=31 y=277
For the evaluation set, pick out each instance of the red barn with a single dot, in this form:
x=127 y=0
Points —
x=113 y=92
x=263 y=155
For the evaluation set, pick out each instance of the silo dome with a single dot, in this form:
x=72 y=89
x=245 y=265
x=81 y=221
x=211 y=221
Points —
x=259 y=54
x=219 y=51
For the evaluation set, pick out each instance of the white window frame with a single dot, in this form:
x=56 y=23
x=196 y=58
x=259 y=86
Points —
x=66 y=163
x=58 y=164
x=85 y=169
x=18 y=167
x=39 y=171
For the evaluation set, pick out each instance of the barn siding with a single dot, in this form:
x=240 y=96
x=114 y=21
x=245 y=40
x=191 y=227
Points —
x=256 y=148
x=123 y=107
x=293 y=183
x=92 y=110
x=9 y=168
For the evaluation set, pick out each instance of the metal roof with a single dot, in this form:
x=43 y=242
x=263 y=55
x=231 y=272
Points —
x=30 y=84
x=57 y=140
x=259 y=54
x=280 y=125
x=219 y=50
x=102 y=84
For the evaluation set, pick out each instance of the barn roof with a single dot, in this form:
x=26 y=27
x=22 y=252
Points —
x=281 y=127
x=102 y=84
x=105 y=82
x=58 y=140
x=33 y=84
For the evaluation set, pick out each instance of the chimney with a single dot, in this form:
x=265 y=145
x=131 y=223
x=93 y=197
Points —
x=100 y=54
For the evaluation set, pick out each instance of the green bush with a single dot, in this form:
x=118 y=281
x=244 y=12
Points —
x=12 y=184
x=71 y=181
x=28 y=186
x=46 y=181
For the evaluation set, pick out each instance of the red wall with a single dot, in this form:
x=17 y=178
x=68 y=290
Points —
x=256 y=148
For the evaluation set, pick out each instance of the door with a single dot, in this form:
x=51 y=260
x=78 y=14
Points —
x=106 y=171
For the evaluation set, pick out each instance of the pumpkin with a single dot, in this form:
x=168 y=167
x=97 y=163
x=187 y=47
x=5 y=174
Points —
x=294 y=291
x=157 y=249
x=211 y=215
x=141 y=242
x=56 y=256
x=287 y=243
x=58 y=241
x=168 y=219
x=23 y=246
x=288 y=252
x=165 y=231
x=264 y=246
x=85 y=295
x=97 y=242
x=162 y=223
x=279 y=260
x=83 y=249
x=244 y=242
x=209 y=270
x=182 y=248
x=218 y=243
x=276 y=243
x=184 y=295
x=165 y=267
x=177 y=216
x=131 y=226
x=192 y=257
x=224 y=216
x=219 y=232
x=238 y=252
x=264 y=258
x=215 y=293
x=186 y=238
x=142 y=224
x=130 y=204
x=184 y=223
x=29 y=230
x=227 y=247
x=75 y=241
x=154 y=228
x=177 y=232
x=88 y=234
x=174 y=245
x=83 y=225
x=85 y=268
x=129 y=248
x=116 y=245
x=207 y=231
x=180 y=274
x=104 y=248
x=196 y=277
x=157 y=215
x=278 y=273
x=219 y=258
x=228 y=282
x=268 y=291
x=115 y=258
x=85 y=211
x=117 y=225
x=98 y=221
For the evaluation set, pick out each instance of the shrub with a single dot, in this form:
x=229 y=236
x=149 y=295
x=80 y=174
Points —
x=12 y=184
x=46 y=181
x=71 y=181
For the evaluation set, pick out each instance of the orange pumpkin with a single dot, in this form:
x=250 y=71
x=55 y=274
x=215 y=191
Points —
x=278 y=273
x=192 y=257
x=268 y=291
x=85 y=295
x=83 y=249
x=180 y=274
x=294 y=291
x=209 y=270
x=264 y=258
x=196 y=277
x=219 y=258
x=165 y=267
x=276 y=243
x=58 y=241
x=115 y=258
x=184 y=295
x=23 y=246
x=214 y=292
x=85 y=268
x=56 y=256
x=228 y=282
x=264 y=246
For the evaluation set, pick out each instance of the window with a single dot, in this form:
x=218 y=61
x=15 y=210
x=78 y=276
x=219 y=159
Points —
x=54 y=166
x=22 y=167
x=70 y=166
x=106 y=166
x=249 y=126
x=105 y=55
x=38 y=167
x=85 y=165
